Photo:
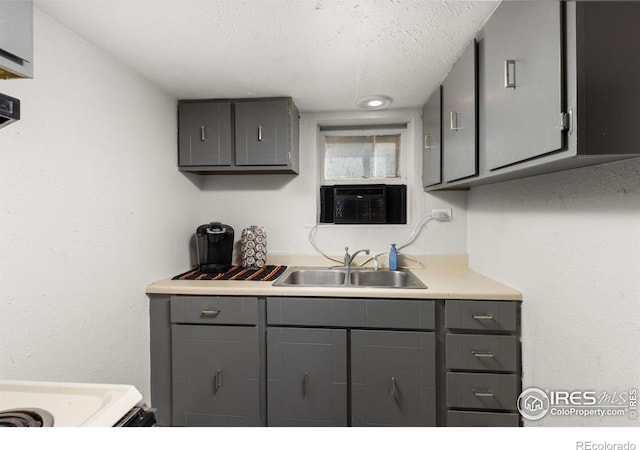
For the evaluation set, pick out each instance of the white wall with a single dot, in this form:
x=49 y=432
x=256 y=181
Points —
x=570 y=242
x=92 y=208
x=286 y=205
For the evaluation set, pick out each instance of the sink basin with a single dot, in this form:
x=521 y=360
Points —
x=312 y=277
x=386 y=278
x=358 y=277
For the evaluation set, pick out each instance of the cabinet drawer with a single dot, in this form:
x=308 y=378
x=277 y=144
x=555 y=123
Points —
x=482 y=352
x=482 y=390
x=482 y=419
x=214 y=310
x=481 y=315
x=347 y=312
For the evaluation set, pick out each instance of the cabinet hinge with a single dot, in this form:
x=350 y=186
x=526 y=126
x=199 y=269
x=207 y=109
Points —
x=565 y=121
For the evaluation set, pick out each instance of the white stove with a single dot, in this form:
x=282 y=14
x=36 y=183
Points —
x=71 y=404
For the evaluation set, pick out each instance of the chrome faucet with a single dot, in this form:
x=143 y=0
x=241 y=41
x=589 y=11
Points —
x=348 y=259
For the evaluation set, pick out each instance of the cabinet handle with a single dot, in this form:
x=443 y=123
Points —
x=510 y=73
x=482 y=316
x=482 y=354
x=483 y=394
x=427 y=142
x=217 y=381
x=453 y=119
x=260 y=132
x=203 y=136
x=210 y=313
x=394 y=389
x=305 y=384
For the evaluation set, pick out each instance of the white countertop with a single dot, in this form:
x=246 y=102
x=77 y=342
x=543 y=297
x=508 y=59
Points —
x=446 y=277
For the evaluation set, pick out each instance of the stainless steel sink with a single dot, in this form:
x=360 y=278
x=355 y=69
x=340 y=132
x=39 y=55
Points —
x=312 y=277
x=386 y=278
x=357 y=277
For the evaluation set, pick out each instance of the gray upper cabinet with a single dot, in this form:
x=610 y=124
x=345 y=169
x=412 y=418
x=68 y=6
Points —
x=204 y=134
x=262 y=133
x=16 y=39
x=459 y=116
x=238 y=136
x=557 y=90
x=523 y=89
x=431 y=142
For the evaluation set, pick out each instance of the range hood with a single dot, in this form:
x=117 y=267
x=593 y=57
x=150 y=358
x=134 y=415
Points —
x=9 y=110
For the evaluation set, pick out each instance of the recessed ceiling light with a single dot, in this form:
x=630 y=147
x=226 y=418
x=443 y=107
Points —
x=375 y=102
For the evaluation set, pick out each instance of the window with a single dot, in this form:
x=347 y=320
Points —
x=351 y=155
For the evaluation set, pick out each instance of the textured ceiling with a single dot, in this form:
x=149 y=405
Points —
x=326 y=54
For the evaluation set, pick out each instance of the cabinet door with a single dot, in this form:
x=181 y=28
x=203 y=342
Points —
x=393 y=378
x=204 y=136
x=432 y=156
x=307 y=377
x=523 y=90
x=16 y=38
x=262 y=133
x=215 y=376
x=459 y=130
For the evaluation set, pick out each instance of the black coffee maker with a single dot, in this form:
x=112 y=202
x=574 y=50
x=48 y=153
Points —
x=214 y=247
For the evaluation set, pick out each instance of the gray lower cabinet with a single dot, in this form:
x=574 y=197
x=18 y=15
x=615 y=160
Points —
x=307 y=377
x=459 y=130
x=365 y=362
x=393 y=378
x=208 y=360
x=297 y=361
x=215 y=376
x=482 y=359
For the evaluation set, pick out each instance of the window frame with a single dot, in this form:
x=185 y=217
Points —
x=381 y=130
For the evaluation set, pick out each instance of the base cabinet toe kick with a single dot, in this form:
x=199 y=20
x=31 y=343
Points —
x=298 y=361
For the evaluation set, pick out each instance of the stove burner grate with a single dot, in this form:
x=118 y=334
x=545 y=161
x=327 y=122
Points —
x=26 y=417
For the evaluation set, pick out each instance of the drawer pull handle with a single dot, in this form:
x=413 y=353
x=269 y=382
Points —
x=260 y=133
x=305 y=384
x=203 y=136
x=210 y=313
x=483 y=354
x=217 y=381
x=394 y=389
x=482 y=316
x=483 y=394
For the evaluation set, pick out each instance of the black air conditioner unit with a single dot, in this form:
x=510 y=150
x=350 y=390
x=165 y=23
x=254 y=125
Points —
x=363 y=204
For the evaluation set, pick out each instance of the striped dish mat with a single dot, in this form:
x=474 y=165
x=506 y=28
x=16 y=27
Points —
x=266 y=273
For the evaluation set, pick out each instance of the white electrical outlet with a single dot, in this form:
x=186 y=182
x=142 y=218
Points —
x=442 y=215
